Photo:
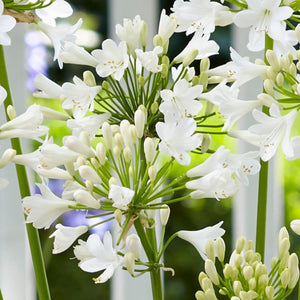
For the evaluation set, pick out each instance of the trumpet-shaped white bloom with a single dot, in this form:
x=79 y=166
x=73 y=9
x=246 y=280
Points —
x=130 y=32
x=7 y=23
x=121 y=196
x=95 y=255
x=42 y=210
x=240 y=69
x=149 y=59
x=57 y=9
x=181 y=102
x=112 y=59
x=273 y=129
x=200 y=43
x=73 y=54
x=198 y=238
x=27 y=125
x=263 y=17
x=79 y=96
x=3 y=94
x=48 y=88
x=177 y=139
x=295 y=225
x=59 y=35
x=200 y=15
x=65 y=236
x=189 y=72
x=166 y=27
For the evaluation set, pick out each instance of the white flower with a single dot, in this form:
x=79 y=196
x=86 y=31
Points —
x=176 y=72
x=263 y=17
x=95 y=256
x=201 y=43
x=65 y=236
x=295 y=225
x=181 y=102
x=48 y=88
x=198 y=238
x=112 y=59
x=27 y=125
x=149 y=59
x=7 y=23
x=286 y=43
x=273 y=129
x=57 y=9
x=42 y=210
x=166 y=27
x=3 y=94
x=130 y=32
x=240 y=69
x=121 y=196
x=73 y=54
x=218 y=184
x=89 y=124
x=79 y=96
x=200 y=15
x=177 y=139
x=59 y=35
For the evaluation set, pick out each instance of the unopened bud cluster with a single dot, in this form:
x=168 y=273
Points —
x=245 y=276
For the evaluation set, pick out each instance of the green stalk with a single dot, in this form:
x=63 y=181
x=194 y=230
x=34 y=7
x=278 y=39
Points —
x=33 y=237
x=263 y=187
x=1 y=298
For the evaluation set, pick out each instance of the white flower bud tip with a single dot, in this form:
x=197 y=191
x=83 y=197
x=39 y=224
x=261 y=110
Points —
x=133 y=244
x=87 y=173
x=164 y=214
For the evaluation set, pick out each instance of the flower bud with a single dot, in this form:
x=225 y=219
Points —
x=295 y=225
x=234 y=274
x=7 y=157
x=284 y=246
x=268 y=86
x=249 y=245
x=89 y=79
x=240 y=243
x=80 y=161
x=139 y=121
x=263 y=281
x=144 y=34
x=75 y=144
x=210 y=294
x=245 y=295
x=11 y=112
x=149 y=149
x=227 y=271
x=195 y=81
x=105 y=85
x=164 y=214
x=113 y=180
x=89 y=185
x=164 y=70
x=116 y=151
x=211 y=271
x=260 y=269
x=101 y=153
x=209 y=250
x=252 y=283
x=274 y=261
x=119 y=140
x=152 y=172
x=107 y=134
x=247 y=272
x=285 y=278
x=203 y=80
x=118 y=216
x=85 y=198
x=154 y=107
x=269 y=290
x=190 y=58
x=204 y=64
x=129 y=262
x=127 y=154
x=237 y=287
x=206 y=284
x=124 y=130
x=87 y=173
x=219 y=246
x=280 y=79
x=95 y=163
x=266 y=99
x=201 y=276
x=200 y=295
x=270 y=73
x=141 y=80
x=283 y=262
x=285 y=62
x=248 y=255
x=157 y=41
x=238 y=260
x=272 y=59
x=132 y=131
x=133 y=243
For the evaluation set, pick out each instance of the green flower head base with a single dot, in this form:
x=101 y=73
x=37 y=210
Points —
x=245 y=276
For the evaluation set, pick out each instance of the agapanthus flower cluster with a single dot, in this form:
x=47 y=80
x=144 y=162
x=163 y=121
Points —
x=245 y=276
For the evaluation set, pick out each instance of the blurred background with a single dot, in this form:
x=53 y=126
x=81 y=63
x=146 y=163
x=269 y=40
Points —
x=66 y=280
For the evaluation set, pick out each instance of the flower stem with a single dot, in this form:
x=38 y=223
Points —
x=156 y=284
x=263 y=187
x=33 y=237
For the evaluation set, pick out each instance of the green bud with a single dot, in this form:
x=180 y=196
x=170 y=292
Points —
x=268 y=86
x=200 y=295
x=203 y=80
x=195 y=80
x=294 y=270
x=248 y=255
x=223 y=291
x=249 y=245
x=164 y=70
x=234 y=274
x=270 y=291
x=245 y=296
x=219 y=244
x=11 y=112
x=247 y=272
x=272 y=59
x=206 y=140
x=252 y=283
x=271 y=73
x=238 y=260
x=141 y=80
x=263 y=281
x=211 y=271
x=280 y=79
x=105 y=85
x=285 y=278
x=206 y=284
x=157 y=41
x=190 y=58
x=284 y=246
x=209 y=250
x=144 y=34
x=260 y=269
x=204 y=64
x=283 y=233
x=285 y=62
x=240 y=243
x=95 y=163
x=127 y=154
x=201 y=276
x=118 y=216
x=154 y=108
x=210 y=295
x=165 y=60
x=164 y=214
x=117 y=151
x=283 y=262
x=274 y=261
x=215 y=79
x=293 y=70
x=237 y=287
x=227 y=271
x=89 y=79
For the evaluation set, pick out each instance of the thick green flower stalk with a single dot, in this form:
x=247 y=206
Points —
x=245 y=276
